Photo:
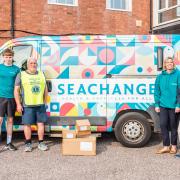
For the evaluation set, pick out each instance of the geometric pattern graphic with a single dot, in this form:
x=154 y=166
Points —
x=91 y=58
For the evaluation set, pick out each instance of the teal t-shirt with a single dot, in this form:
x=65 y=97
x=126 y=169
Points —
x=7 y=79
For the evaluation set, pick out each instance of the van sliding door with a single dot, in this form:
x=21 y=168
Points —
x=76 y=66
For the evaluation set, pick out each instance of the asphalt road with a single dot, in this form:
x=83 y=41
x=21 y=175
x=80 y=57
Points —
x=113 y=161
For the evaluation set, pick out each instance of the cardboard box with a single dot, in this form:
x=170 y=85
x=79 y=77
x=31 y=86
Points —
x=68 y=134
x=79 y=146
x=83 y=125
x=83 y=133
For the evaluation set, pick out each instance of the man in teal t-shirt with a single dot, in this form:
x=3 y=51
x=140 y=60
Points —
x=8 y=73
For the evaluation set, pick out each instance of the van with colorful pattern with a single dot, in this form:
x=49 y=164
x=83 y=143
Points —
x=107 y=79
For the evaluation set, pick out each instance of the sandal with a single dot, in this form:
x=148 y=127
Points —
x=173 y=151
x=163 y=150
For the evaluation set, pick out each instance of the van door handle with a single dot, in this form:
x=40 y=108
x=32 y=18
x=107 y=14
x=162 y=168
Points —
x=108 y=75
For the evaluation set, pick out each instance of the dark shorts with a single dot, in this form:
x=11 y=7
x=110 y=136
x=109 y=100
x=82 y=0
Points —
x=33 y=115
x=7 y=107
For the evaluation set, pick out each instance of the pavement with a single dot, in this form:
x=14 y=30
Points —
x=112 y=162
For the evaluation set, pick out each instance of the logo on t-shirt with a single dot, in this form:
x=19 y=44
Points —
x=35 y=89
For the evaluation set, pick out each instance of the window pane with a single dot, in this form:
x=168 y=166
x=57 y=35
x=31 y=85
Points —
x=172 y=3
x=178 y=11
x=162 y=4
x=178 y=8
x=108 y=3
x=61 y=1
x=21 y=54
x=124 y=4
x=70 y=2
x=168 y=15
x=51 y=1
x=118 y=4
x=1 y=58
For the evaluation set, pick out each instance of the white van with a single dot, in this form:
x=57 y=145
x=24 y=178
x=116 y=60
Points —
x=108 y=79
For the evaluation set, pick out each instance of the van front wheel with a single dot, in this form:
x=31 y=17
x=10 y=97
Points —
x=132 y=130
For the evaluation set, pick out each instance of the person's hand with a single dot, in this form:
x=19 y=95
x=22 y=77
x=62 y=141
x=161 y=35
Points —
x=177 y=110
x=157 y=109
x=19 y=108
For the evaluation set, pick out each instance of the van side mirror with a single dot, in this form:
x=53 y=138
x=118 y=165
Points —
x=49 y=85
x=159 y=59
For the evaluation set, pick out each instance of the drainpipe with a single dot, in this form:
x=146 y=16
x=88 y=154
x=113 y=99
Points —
x=151 y=16
x=12 y=18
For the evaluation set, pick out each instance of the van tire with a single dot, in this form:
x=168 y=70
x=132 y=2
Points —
x=132 y=130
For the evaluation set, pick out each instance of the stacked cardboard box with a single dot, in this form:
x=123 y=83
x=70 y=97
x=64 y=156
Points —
x=83 y=128
x=79 y=141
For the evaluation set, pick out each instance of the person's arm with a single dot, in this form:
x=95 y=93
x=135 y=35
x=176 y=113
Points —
x=18 y=99
x=45 y=94
x=177 y=109
x=45 y=91
x=17 y=96
x=157 y=94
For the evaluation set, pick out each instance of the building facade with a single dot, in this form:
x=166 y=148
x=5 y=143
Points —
x=59 y=17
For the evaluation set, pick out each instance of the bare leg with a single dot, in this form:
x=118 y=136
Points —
x=27 y=132
x=40 y=131
x=41 y=146
x=9 y=129
x=1 y=120
x=178 y=143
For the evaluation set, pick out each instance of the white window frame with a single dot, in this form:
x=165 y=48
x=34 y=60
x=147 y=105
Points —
x=178 y=9
x=116 y=9
x=63 y=4
x=157 y=11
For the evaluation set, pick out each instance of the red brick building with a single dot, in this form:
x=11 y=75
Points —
x=31 y=17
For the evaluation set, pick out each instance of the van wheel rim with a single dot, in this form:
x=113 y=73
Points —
x=133 y=130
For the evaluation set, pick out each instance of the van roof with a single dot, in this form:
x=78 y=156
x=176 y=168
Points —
x=78 y=37
x=122 y=38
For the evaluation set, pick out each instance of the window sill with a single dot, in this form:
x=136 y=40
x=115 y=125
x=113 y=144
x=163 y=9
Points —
x=71 y=5
x=123 y=10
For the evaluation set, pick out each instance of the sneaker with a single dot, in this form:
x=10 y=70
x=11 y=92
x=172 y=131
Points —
x=42 y=146
x=10 y=147
x=177 y=155
x=28 y=147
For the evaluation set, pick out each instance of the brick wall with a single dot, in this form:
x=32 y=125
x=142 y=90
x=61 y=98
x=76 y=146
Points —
x=90 y=17
x=4 y=21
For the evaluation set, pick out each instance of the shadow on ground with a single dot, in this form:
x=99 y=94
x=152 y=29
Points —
x=106 y=139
